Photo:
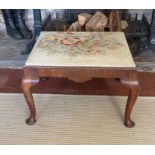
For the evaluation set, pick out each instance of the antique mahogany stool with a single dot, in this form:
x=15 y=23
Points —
x=81 y=56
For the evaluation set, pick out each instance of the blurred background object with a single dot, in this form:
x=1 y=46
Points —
x=15 y=24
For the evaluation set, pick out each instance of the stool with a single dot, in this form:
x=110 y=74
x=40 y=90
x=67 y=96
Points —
x=81 y=56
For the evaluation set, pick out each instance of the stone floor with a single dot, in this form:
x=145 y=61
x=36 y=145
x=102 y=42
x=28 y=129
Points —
x=10 y=50
x=10 y=56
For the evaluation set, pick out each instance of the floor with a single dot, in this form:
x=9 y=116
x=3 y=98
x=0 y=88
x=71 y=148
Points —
x=10 y=50
x=69 y=119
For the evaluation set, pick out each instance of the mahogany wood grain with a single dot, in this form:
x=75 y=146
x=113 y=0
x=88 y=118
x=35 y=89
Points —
x=10 y=80
x=127 y=76
x=30 y=80
x=134 y=88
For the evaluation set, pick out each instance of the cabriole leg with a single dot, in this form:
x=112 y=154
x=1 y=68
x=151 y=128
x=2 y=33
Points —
x=27 y=84
x=134 y=88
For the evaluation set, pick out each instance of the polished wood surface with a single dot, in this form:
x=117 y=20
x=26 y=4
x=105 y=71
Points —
x=11 y=79
x=134 y=89
x=27 y=84
x=127 y=77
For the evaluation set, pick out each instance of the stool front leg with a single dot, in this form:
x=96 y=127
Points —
x=27 y=84
x=134 y=88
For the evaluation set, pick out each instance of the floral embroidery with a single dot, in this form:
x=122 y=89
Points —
x=70 y=41
x=74 y=44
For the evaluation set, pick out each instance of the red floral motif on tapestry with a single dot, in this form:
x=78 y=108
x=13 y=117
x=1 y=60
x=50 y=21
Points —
x=70 y=41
